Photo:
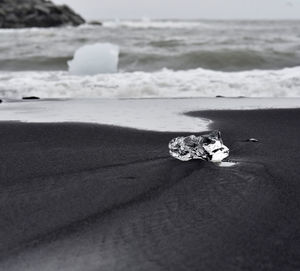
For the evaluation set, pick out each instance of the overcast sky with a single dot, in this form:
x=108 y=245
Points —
x=186 y=9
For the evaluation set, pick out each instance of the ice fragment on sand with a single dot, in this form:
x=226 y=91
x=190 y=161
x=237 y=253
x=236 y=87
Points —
x=208 y=147
x=227 y=164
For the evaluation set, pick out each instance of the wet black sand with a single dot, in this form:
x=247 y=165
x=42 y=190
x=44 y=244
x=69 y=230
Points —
x=91 y=197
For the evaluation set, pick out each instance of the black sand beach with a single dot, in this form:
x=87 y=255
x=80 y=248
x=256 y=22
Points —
x=92 y=197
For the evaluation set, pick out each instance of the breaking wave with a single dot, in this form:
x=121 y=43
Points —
x=222 y=60
x=165 y=83
x=146 y=24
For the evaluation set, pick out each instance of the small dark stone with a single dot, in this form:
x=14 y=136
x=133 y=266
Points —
x=94 y=22
x=220 y=96
x=252 y=140
x=31 y=98
x=0 y=101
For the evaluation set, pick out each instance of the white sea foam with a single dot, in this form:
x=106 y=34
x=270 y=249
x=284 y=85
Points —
x=94 y=59
x=165 y=83
x=146 y=23
x=146 y=114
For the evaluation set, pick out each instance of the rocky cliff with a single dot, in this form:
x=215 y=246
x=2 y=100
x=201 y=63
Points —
x=36 y=13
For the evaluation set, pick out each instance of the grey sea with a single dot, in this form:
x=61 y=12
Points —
x=157 y=59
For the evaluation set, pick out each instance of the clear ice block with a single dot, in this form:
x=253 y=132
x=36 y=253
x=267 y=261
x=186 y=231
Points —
x=208 y=147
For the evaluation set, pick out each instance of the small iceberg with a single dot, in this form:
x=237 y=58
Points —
x=95 y=59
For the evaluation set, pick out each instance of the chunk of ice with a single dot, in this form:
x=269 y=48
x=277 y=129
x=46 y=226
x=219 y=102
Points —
x=226 y=164
x=94 y=59
x=208 y=147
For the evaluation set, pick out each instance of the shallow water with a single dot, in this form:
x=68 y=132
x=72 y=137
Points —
x=146 y=114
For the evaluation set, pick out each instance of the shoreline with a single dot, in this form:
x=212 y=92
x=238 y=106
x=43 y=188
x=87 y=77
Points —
x=91 y=196
x=160 y=115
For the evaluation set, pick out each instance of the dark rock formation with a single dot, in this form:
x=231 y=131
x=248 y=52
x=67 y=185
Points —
x=36 y=13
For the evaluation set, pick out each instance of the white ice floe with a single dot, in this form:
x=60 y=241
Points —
x=95 y=59
x=146 y=114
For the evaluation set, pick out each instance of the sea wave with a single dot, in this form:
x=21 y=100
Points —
x=164 y=83
x=218 y=59
x=36 y=63
x=151 y=60
x=146 y=23
x=153 y=45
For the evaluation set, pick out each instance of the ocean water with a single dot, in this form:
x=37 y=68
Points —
x=157 y=59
